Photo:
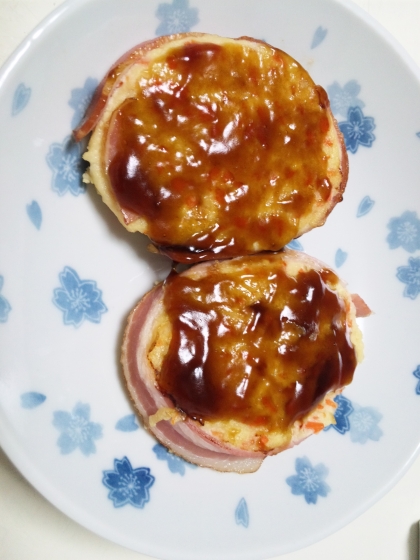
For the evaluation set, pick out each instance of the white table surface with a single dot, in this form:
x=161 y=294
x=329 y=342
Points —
x=32 y=529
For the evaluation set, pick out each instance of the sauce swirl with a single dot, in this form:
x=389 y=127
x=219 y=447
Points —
x=251 y=342
x=221 y=150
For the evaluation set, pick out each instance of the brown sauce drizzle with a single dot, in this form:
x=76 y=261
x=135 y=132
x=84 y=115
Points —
x=221 y=150
x=253 y=344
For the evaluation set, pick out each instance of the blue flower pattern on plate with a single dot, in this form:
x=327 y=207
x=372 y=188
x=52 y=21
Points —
x=128 y=485
x=309 y=481
x=361 y=422
x=20 y=98
x=341 y=415
x=175 y=463
x=78 y=299
x=177 y=17
x=405 y=232
x=410 y=275
x=242 y=513
x=340 y=258
x=127 y=423
x=65 y=160
x=31 y=399
x=34 y=213
x=357 y=130
x=77 y=431
x=416 y=374
x=295 y=245
x=364 y=424
x=80 y=99
x=342 y=98
x=319 y=36
x=5 y=306
x=365 y=206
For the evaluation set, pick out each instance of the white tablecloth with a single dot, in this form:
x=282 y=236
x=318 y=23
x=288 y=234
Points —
x=32 y=529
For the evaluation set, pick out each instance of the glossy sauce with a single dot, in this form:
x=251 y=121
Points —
x=221 y=150
x=253 y=344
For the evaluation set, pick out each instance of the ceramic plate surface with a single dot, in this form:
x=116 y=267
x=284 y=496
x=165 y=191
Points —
x=69 y=275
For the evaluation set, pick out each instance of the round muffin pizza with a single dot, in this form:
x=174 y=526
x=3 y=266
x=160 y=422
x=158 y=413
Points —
x=234 y=360
x=213 y=147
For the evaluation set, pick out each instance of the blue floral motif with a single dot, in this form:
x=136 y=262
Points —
x=309 y=481
x=416 y=373
x=127 y=423
x=418 y=134
x=295 y=245
x=410 y=275
x=177 y=17
x=340 y=258
x=365 y=206
x=31 y=399
x=319 y=36
x=341 y=415
x=364 y=424
x=78 y=299
x=76 y=430
x=361 y=422
x=175 y=463
x=20 y=98
x=5 y=307
x=405 y=232
x=342 y=98
x=66 y=162
x=34 y=213
x=80 y=99
x=242 y=513
x=357 y=130
x=128 y=485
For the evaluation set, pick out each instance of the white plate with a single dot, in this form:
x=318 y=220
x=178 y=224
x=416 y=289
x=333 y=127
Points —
x=65 y=418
